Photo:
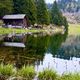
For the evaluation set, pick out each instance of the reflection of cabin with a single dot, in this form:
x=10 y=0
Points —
x=16 y=21
x=17 y=40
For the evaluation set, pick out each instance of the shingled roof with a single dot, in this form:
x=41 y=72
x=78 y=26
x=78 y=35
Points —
x=15 y=16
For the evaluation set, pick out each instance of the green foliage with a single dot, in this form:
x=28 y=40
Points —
x=27 y=72
x=65 y=23
x=6 y=70
x=6 y=7
x=57 y=17
x=42 y=12
x=70 y=76
x=47 y=75
x=26 y=7
x=35 y=10
x=50 y=75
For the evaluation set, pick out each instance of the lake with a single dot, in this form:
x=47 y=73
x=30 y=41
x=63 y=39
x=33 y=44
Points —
x=60 y=52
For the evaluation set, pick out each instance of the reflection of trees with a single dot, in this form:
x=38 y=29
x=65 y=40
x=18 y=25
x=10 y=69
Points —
x=70 y=48
x=36 y=46
x=34 y=50
x=55 y=43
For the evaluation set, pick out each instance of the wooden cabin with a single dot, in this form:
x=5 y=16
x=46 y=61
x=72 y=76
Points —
x=16 y=21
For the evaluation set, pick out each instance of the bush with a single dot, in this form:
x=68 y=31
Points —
x=27 y=72
x=6 y=70
x=47 y=75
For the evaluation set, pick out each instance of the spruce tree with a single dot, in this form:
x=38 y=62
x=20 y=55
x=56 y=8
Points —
x=57 y=18
x=26 y=7
x=56 y=15
x=18 y=4
x=6 y=7
x=42 y=12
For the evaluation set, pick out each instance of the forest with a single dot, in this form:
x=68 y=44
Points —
x=35 y=10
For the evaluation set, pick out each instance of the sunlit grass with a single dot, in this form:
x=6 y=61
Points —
x=70 y=76
x=27 y=72
x=47 y=75
x=12 y=30
x=74 y=29
x=6 y=70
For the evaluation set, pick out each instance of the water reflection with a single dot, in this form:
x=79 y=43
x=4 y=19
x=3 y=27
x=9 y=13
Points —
x=58 y=64
x=35 y=48
x=59 y=51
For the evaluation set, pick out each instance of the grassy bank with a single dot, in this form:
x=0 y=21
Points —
x=12 y=30
x=74 y=29
x=8 y=72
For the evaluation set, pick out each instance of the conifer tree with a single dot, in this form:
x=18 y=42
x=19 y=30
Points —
x=26 y=7
x=6 y=7
x=56 y=15
x=42 y=12
x=57 y=18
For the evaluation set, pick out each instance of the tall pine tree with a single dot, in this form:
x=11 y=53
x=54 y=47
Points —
x=56 y=15
x=26 y=7
x=42 y=12
x=18 y=4
x=57 y=18
x=6 y=7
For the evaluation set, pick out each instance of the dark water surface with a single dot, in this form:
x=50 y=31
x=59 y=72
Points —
x=60 y=52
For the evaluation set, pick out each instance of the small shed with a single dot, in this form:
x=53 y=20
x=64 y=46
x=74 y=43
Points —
x=16 y=21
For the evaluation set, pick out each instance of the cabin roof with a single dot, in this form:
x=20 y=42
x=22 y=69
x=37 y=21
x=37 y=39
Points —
x=14 y=16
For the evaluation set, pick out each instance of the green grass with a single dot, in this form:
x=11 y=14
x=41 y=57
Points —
x=70 y=76
x=12 y=30
x=6 y=70
x=52 y=75
x=47 y=75
x=74 y=29
x=27 y=72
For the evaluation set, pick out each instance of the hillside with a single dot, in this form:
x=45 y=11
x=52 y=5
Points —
x=69 y=5
x=72 y=17
x=70 y=9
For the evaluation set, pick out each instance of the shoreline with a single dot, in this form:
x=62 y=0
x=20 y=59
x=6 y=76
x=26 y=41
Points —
x=34 y=30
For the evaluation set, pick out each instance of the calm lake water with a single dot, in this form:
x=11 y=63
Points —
x=60 y=52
